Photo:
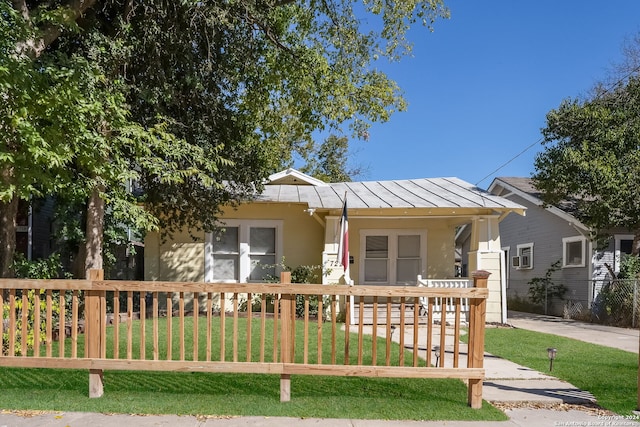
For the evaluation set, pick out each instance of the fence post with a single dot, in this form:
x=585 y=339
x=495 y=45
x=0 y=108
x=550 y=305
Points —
x=93 y=328
x=287 y=316
x=635 y=303
x=475 y=358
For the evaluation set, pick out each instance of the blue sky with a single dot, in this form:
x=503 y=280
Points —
x=479 y=87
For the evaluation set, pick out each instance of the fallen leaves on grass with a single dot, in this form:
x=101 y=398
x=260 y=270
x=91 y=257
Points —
x=590 y=408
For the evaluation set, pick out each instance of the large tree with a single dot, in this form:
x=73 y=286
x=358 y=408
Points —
x=329 y=161
x=194 y=100
x=592 y=156
x=67 y=131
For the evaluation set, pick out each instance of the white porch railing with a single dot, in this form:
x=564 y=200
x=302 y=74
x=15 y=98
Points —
x=448 y=303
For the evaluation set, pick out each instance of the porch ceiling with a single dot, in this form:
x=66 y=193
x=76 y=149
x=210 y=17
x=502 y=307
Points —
x=402 y=194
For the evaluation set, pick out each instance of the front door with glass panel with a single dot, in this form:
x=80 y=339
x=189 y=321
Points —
x=392 y=257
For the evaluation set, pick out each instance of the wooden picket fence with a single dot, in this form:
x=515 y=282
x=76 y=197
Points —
x=71 y=317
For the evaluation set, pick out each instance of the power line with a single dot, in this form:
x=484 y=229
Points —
x=512 y=159
x=605 y=91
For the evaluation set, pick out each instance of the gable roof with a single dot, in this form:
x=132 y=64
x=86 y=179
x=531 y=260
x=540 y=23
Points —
x=293 y=177
x=525 y=188
x=522 y=184
x=410 y=193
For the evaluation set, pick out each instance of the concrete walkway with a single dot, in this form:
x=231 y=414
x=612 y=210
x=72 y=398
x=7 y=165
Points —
x=622 y=338
x=529 y=398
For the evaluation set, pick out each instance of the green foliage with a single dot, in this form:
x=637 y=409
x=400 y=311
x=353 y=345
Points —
x=34 y=115
x=591 y=162
x=619 y=301
x=39 y=269
x=543 y=289
x=524 y=304
x=47 y=268
x=328 y=161
x=195 y=102
x=301 y=274
x=629 y=267
x=615 y=303
x=306 y=274
x=31 y=307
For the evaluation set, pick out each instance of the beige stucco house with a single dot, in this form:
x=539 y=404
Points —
x=398 y=230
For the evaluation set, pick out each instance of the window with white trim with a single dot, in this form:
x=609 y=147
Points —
x=623 y=246
x=574 y=251
x=243 y=251
x=524 y=259
x=392 y=256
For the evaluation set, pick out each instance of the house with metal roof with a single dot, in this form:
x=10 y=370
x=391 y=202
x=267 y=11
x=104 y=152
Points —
x=551 y=235
x=397 y=231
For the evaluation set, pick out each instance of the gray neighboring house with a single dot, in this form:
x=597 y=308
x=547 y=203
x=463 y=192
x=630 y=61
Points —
x=546 y=234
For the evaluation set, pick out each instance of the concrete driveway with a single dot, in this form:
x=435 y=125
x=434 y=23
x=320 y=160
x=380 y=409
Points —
x=608 y=336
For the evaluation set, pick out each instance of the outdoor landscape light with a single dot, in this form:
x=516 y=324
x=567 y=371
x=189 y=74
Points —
x=552 y=355
x=436 y=353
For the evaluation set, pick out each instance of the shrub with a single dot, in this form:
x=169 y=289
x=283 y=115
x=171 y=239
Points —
x=301 y=274
x=543 y=289
x=616 y=300
x=524 y=304
x=40 y=269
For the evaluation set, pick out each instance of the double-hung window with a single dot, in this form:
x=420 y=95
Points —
x=243 y=251
x=392 y=256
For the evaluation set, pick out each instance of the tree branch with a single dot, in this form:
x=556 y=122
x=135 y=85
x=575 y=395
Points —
x=266 y=30
x=282 y=3
x=613 y=274
x=21 y=6
x=50 y=32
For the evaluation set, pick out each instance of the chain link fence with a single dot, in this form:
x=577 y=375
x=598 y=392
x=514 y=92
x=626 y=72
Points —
x=616 y=302
x=611 y=302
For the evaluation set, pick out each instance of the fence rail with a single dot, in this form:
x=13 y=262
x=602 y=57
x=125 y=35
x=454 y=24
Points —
x=231 y=328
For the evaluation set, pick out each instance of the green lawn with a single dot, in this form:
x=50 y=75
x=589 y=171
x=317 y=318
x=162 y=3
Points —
x=609 y=374
x=243 y=394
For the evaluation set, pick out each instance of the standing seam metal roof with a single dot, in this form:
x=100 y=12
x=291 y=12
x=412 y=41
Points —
x=415 y=193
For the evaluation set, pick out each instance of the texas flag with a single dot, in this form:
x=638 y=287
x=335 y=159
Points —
x=343 y=247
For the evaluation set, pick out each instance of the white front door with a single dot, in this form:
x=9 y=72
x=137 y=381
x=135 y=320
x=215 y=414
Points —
x=392 y=257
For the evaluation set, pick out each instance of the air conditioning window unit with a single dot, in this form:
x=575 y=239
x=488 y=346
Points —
x=515 y=261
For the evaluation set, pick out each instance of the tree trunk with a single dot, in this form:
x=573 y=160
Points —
x=8 y=213
x=95 y=230
x=50 y=31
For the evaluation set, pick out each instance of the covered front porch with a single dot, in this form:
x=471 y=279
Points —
x=404 y=229
x=417 y=249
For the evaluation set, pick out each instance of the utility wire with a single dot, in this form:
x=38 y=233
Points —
x=605 y=91
x=511 y=159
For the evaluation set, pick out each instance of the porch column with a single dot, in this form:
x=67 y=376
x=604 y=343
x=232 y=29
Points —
x=486 y=254
x=332 y=272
